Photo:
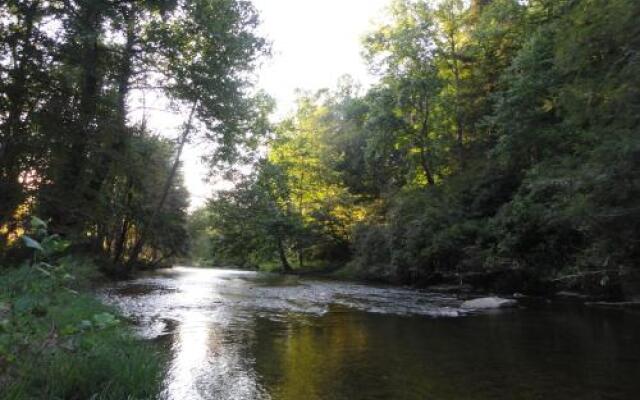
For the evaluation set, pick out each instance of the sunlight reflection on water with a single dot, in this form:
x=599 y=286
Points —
x=233 y=335
x=208 y=315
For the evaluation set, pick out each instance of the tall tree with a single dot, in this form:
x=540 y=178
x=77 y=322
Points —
x=405 y=53
x=25 y=52
x=208 y=51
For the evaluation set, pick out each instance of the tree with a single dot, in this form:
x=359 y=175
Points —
x=253 y=222
x=70 y=152
x=405 y=53
x=25 y=53
x=208 y=51
x=500 y=141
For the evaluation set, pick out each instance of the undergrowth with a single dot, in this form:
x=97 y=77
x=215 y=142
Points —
x=57 y=341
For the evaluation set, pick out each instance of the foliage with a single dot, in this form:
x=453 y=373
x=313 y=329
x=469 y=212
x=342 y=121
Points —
x=48 y=247
x=68 y=73
x=500 y=139
x=57 y=342
x=295 y=198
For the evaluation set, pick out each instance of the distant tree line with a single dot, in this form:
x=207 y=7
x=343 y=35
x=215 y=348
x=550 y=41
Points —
x=503 y=136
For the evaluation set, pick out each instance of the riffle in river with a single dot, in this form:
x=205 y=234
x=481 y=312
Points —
x=246 y=335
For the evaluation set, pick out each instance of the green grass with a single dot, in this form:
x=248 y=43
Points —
x=57 y=341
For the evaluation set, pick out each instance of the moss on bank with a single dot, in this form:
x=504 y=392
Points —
x=57 y=341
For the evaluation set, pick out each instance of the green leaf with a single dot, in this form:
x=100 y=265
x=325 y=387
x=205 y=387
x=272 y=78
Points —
x=85 y=325
x=38 y=223
x=104 y=320
x=45 y=264
x=44 y=272
x=54 y=244
x=31 y=243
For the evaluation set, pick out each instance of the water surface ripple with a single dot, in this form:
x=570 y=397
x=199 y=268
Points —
x=245 y=335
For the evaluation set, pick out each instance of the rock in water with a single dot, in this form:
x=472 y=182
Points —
x=487 y=303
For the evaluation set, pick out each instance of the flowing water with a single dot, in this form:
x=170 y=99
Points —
x=245 y=335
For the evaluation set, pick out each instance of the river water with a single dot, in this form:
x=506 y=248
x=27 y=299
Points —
x=245 y=335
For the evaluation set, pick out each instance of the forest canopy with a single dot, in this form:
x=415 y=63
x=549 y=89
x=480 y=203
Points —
x=502 y=136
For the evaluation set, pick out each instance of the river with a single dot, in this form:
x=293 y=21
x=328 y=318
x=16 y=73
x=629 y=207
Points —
x=245 y=335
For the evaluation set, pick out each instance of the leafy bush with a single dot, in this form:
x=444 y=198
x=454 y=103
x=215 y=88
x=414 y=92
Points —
x=59 y=343
x=372 y=253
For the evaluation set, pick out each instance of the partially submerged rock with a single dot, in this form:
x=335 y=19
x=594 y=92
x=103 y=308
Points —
x=489 y=303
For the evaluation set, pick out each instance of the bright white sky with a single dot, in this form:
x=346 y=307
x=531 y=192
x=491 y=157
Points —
x=315 y=42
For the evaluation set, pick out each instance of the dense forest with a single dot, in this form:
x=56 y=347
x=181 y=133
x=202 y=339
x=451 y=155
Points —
x=501 y=143
x=70 y=74
x=500 y=140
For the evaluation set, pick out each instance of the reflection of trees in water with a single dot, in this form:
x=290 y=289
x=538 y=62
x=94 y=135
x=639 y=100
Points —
x=525 y=354
x=308 y=355
x=236 y=337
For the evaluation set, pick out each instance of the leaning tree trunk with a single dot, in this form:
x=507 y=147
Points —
x=137 y=248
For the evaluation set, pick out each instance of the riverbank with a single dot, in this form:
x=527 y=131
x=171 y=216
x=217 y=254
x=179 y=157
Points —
x=58 y=341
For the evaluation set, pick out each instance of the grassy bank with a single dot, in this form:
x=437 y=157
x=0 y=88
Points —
x=57 y=341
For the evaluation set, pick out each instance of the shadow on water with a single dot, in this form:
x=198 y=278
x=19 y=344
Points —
x=237 y=335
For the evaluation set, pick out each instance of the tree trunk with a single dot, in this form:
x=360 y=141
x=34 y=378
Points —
x=124 y=223
x=120 y=242
x=126 y=66
x=425 y=166
x=70 y=207
x=422 y=144
x=115 y=141
x=135 y=252
x=458 y=108
x=286 y=267
x=90 y=28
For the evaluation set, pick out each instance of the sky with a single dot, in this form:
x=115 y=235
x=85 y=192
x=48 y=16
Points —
x=314 y=43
